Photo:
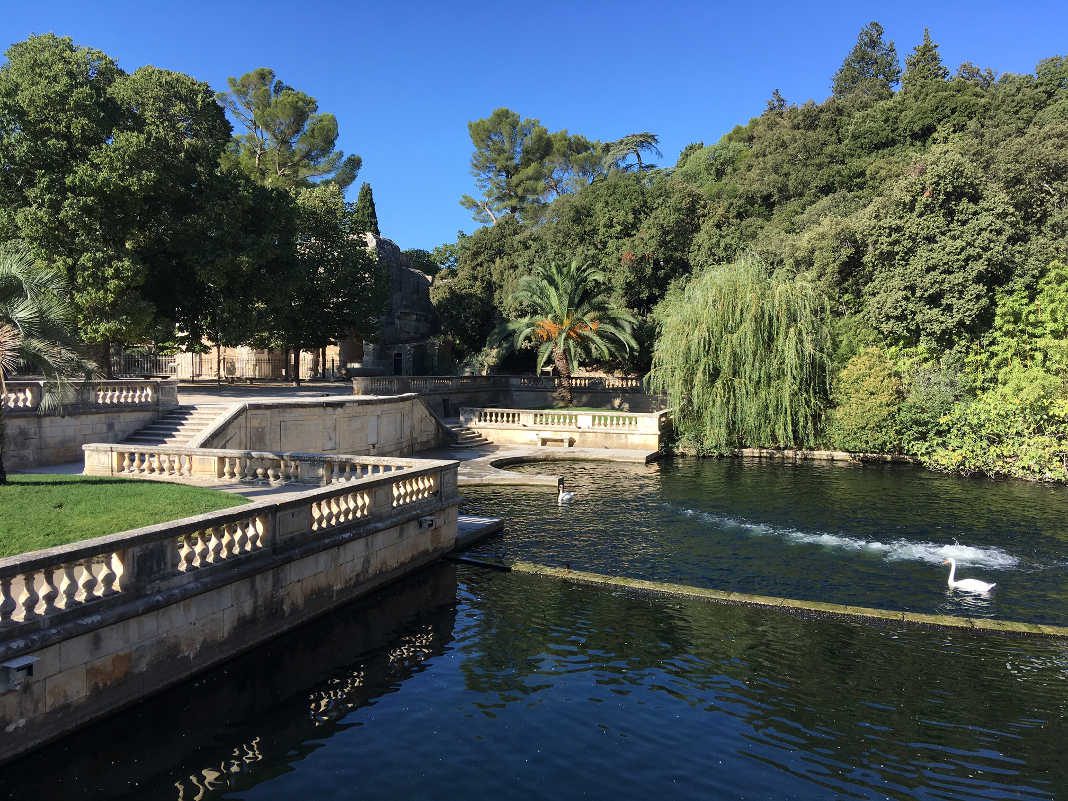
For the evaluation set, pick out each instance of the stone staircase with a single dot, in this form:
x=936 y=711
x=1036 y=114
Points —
x=466 y=437
x=178 y=426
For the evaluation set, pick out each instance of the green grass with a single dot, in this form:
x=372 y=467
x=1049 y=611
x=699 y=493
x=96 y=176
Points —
x=41 y=511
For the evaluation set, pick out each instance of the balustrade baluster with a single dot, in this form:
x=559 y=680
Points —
x=108 y=577
x=50 y=591
x=68 y=586
x=7 y=600
x=27 y=603
x=86 y=582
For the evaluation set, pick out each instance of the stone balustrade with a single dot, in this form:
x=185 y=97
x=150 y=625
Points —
x=24 y=397
x=226 y=466
x=44 y=588
x=571 y=428
x=398 y=385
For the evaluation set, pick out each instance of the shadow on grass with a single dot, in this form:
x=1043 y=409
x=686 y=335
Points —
x=79 y=481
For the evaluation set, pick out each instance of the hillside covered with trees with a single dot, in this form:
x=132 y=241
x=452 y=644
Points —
x=886 y=270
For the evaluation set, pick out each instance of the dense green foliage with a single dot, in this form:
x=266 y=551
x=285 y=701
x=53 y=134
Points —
x=36 y=319
x=933 y=217
x=566 y=314
x=746 y=356
x=43 y=511
x=168 y=228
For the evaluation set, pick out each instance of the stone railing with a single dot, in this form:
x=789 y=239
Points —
x=49 y=587
x=25 y=396
x=579 y=383
x=207 y=465
x=424 y=384
x=570 y=428
x=648 y=423
x=398 y=385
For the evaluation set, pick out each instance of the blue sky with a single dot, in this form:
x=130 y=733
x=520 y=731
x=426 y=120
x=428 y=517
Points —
x=405 y=78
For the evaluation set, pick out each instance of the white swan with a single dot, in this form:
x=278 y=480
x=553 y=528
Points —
x=968 y=585
x=563 y=497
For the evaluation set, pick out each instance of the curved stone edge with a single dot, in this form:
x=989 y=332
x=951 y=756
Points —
x=793 y=605
x=487 y=470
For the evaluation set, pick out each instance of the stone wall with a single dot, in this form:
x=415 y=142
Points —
x=90 y=627
x=106 y=411
x=447 y=394
x=395 y=426
x=568 y=429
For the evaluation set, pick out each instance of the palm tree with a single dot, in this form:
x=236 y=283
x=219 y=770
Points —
x=36 y=324
x=570 y=317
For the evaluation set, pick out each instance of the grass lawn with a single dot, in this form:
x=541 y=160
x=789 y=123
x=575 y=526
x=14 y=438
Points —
x=41 y=511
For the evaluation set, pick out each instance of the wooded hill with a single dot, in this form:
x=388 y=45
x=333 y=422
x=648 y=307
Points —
x=928 y=210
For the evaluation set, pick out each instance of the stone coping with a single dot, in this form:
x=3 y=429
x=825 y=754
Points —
x=800 y=455
x=976 y=624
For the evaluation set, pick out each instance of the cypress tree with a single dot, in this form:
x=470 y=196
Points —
x=923 y=65
x=364 y=217
x=871 y=69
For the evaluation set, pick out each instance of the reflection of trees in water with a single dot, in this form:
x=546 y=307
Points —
x=841 y=705
x=276 y=703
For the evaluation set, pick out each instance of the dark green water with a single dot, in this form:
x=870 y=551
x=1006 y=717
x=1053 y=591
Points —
x=466 y=683
x=871 y=535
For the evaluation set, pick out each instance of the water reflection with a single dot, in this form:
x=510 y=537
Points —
x=477 y=684
x=241 y=724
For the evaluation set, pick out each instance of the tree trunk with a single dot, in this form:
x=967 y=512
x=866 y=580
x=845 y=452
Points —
x=218 y=363
x=105 y=352
x=296 y=365
x=563 y=392
x=3 y=433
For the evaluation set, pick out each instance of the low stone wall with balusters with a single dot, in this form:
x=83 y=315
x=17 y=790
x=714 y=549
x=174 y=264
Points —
x=569 y=429
x=447 y=394
x=224 y=466
x=88 y=627
x=101 y=411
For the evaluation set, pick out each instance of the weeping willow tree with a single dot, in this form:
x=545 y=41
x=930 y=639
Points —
x=743 y=357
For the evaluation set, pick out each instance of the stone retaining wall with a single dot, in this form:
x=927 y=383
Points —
x=394 y=426
x=104 y=411
x=90 y=627
x=568 y=429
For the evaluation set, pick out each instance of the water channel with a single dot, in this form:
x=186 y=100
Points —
x=461 y=682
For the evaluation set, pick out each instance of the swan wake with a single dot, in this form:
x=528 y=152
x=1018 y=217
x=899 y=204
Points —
x=893 y=550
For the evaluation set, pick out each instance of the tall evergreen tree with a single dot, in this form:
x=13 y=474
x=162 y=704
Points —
x=364 y=216
x=508 y=163
x=287 y=142
x=871 y=69
x=923 y=65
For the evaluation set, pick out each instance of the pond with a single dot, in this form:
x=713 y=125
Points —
x=871 y=535
x=461 y=682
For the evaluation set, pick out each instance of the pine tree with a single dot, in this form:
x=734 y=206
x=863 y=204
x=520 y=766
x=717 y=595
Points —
x=871 y=69
x=364 y=216
x=776 y=103
x=923 y=65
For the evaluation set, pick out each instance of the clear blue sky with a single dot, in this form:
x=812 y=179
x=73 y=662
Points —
x=404 y=78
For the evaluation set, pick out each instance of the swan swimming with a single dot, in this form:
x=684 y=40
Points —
x=968 y=585
x=563 y=497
